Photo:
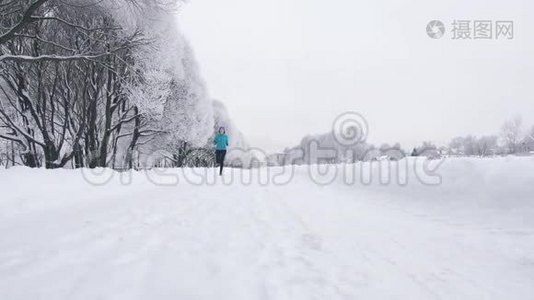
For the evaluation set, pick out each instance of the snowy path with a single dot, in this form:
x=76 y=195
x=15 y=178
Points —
x=299 y=241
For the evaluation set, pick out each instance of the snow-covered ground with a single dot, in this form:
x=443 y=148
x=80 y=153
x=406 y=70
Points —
x=471 y=237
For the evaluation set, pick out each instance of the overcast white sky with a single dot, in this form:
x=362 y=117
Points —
x=287 y=68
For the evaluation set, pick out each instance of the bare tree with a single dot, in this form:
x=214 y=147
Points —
x=511 y=134
x=17 y=15
x=75 y=87
x=69 y=103
x=529 y=140
x=487 y=145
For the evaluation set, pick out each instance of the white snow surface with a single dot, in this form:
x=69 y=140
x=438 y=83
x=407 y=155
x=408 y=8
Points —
x=471 y=237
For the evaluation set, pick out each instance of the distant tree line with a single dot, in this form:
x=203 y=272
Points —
x=512 y=139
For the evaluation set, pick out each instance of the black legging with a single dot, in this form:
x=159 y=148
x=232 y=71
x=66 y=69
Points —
x=219 y=159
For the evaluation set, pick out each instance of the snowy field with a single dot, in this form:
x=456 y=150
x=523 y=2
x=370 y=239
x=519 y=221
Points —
x=471 y=237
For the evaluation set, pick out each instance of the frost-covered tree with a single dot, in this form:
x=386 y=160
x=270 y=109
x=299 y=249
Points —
x=58 y=102
x=457 y=146
x=530 y=139
x=511 y=134
x=394 y=152
x=188 y=112
x=428 y=149
x=487 y=145
x=183 y=113
x=89 y=83
x=472 y=145
x=20 y=17
x=324 y=148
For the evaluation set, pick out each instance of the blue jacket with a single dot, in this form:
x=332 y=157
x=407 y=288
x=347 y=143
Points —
x=220 y=141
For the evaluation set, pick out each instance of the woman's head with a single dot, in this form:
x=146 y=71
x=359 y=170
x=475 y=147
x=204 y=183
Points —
x=222 y=130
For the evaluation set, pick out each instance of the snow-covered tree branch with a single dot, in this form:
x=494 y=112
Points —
x=89 y=83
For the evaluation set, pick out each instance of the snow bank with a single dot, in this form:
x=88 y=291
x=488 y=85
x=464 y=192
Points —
x=484 y=188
